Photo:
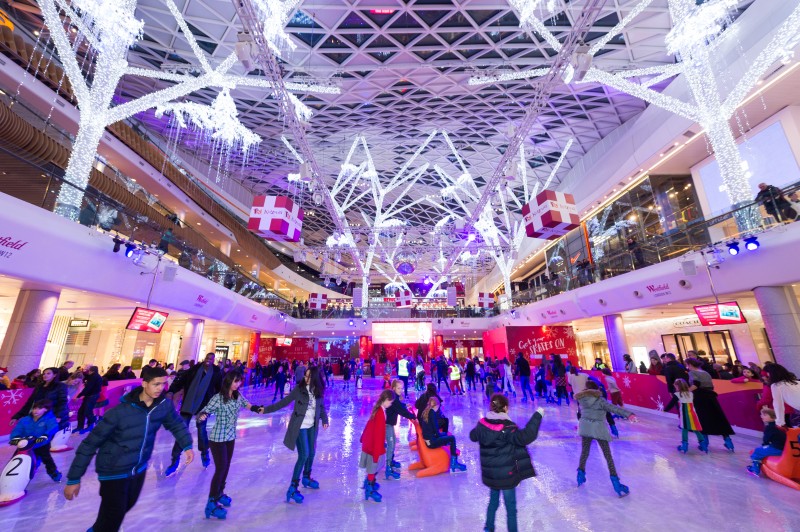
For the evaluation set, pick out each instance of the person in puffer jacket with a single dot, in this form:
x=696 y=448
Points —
x=592 y=426
x=123 y=441
x=505 y=461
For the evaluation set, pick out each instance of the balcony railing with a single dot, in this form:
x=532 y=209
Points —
x=698 y=234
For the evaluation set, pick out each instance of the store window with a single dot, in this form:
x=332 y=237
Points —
x=716 y=345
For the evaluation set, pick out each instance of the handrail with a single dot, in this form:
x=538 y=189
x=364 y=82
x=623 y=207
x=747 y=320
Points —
x=692 y=236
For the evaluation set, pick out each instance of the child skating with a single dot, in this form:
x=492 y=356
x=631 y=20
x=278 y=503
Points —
x=225 y=406
x=505 y=461
x=688 y=416
x=772 y=443
x=592 y=426
x=40 y=425
x=373 y=444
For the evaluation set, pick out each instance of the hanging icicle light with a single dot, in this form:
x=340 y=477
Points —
x=109 y=22
x=275 y=15
x=219 y=122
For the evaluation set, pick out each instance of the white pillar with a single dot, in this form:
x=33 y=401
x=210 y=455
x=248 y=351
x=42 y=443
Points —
x=617 y=342
x=192 y=337
x=28 y=330
x=781 y=314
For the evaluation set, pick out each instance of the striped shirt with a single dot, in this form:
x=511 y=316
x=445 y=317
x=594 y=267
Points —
x=227 y=413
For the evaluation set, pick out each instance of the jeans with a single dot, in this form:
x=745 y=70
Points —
x=510 y=498
x=278 y=389
x=442 y=378
x=202 y=436
x=759 y=453
x=441 y=441
x=117 y=497
x=86 y=411
x=404 y=378
x=525 y=384
x=306 y=448
x=390 y=443
x=222 y=453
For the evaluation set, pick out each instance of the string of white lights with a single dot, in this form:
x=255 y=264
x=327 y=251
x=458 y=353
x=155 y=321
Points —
x=507 y=75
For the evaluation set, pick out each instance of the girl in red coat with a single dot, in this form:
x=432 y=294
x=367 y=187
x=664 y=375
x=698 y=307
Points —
x=373 y=444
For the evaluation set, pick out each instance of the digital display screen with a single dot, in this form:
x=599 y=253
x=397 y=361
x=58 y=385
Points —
x=407 y=332
x=147 y=320
x=720 y=314
x=285 y=342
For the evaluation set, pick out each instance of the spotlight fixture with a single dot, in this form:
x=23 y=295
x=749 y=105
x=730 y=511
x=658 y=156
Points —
x=350 y=323
x=365 y=322
x=733 y=247
x=129 y=249
x=751 y=243
x=513 y=313
x=117 y=244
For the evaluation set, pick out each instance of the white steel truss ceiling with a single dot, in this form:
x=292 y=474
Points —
x=403 y=68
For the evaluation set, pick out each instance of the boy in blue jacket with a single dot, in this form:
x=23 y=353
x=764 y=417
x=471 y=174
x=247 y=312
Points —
x=771 y=444
x=40 y=425
x=123 y=441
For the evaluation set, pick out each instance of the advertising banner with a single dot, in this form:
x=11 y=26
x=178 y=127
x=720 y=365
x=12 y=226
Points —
x=276 y=218
x=550 y=215
x=720 y=314
x=147 y=320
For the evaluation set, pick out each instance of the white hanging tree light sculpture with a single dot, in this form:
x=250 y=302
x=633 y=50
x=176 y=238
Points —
x=110 y=28
x=502 y=232
x=694 y=40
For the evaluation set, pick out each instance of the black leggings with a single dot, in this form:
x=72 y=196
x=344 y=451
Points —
x=222 y=453
x=586 y=445
x=441 y=441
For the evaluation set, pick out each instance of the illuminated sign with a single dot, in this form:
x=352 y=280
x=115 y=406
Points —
x=406 y=332
x=720 y=314
x=147 y=320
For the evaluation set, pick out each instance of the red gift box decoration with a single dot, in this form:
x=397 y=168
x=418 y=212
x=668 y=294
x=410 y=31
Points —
x=276 y=218
x=551 y=215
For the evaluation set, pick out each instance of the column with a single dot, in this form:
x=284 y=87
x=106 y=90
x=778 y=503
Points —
x=617 y=342
x=190 y=342
x=781 y=314
x=28 y=330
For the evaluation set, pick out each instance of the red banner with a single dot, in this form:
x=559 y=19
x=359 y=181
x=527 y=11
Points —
x=301 y=349
x=533 y=341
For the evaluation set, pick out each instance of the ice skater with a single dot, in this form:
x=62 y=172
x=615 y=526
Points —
x=689 y=422
x=373 y=444
x=709 y=411
x=433 y=435
x=771 y=444
x=591 y=427
x=40 y=425
x=225 y=406
x=397 y=408
x=505 y=461
x=123 y=441
x=309 y=412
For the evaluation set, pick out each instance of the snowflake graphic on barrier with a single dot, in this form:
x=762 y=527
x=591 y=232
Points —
x=310 y=343
x=626 y=381
x=11 y=397
x=659 y=404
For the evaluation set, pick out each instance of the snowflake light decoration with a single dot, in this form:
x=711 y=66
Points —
x=219 y=121
x=12 y=397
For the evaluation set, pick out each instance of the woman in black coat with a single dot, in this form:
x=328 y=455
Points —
x=50 y=388
x=309 y=410
x=505 y=461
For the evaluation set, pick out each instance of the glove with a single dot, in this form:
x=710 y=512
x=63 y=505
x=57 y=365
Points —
x=14 y=441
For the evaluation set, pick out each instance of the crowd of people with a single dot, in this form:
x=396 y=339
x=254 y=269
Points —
x=172 y=398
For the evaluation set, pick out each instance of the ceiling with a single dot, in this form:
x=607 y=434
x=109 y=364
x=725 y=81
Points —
x=403 y=68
